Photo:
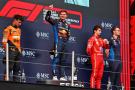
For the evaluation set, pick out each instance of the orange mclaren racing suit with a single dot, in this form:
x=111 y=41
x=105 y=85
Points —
x=95 y=51
x=11 y=35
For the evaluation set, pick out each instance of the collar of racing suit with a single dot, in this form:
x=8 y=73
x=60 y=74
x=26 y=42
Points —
x=96 y=36
x=64 y=21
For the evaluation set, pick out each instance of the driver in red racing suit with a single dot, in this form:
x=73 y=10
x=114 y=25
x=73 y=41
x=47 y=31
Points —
x=95 y=51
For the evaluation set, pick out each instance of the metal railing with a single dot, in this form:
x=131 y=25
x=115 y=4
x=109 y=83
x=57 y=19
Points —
x=72 y=67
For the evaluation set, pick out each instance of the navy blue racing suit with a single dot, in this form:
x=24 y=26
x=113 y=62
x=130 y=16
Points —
x=115 y=63
x=59 y=44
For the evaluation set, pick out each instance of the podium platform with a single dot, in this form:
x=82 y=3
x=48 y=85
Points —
x=61 y=83
x=4 y=85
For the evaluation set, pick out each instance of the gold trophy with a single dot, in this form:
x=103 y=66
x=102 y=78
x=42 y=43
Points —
x=63 y=33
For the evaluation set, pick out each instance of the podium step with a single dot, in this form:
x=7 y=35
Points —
x=61 y=83
x=4 y=85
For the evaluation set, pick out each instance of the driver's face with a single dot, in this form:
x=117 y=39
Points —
x=63 y=15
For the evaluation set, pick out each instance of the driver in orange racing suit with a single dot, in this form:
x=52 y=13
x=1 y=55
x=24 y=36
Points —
x=11 y=35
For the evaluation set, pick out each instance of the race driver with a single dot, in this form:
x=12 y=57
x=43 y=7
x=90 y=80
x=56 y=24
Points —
x=12 y=36
x=61 y=36
x=95 y=51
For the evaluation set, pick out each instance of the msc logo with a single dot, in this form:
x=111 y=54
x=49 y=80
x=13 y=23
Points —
x=82 y=60
x=29 y=53
x=2 y=51
x=42 y=35
x=32 y=11
x=42 y=75
x=72 y=39
x=106 y=25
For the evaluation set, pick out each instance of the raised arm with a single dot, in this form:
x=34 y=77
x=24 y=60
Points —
x=49 y=19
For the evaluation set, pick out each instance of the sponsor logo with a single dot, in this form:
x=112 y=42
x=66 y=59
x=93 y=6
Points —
x=42 y=35
x=106 y=25
x=28 y=53
x=82 y=60
x=72 y=39
x=32 y=11
x=42 y=75
x=76 y=84
x=2 y=51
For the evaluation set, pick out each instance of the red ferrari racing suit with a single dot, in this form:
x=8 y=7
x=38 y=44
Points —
x=95 y=51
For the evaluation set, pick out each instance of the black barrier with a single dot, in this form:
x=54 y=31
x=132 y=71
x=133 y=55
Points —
x=22 y=86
